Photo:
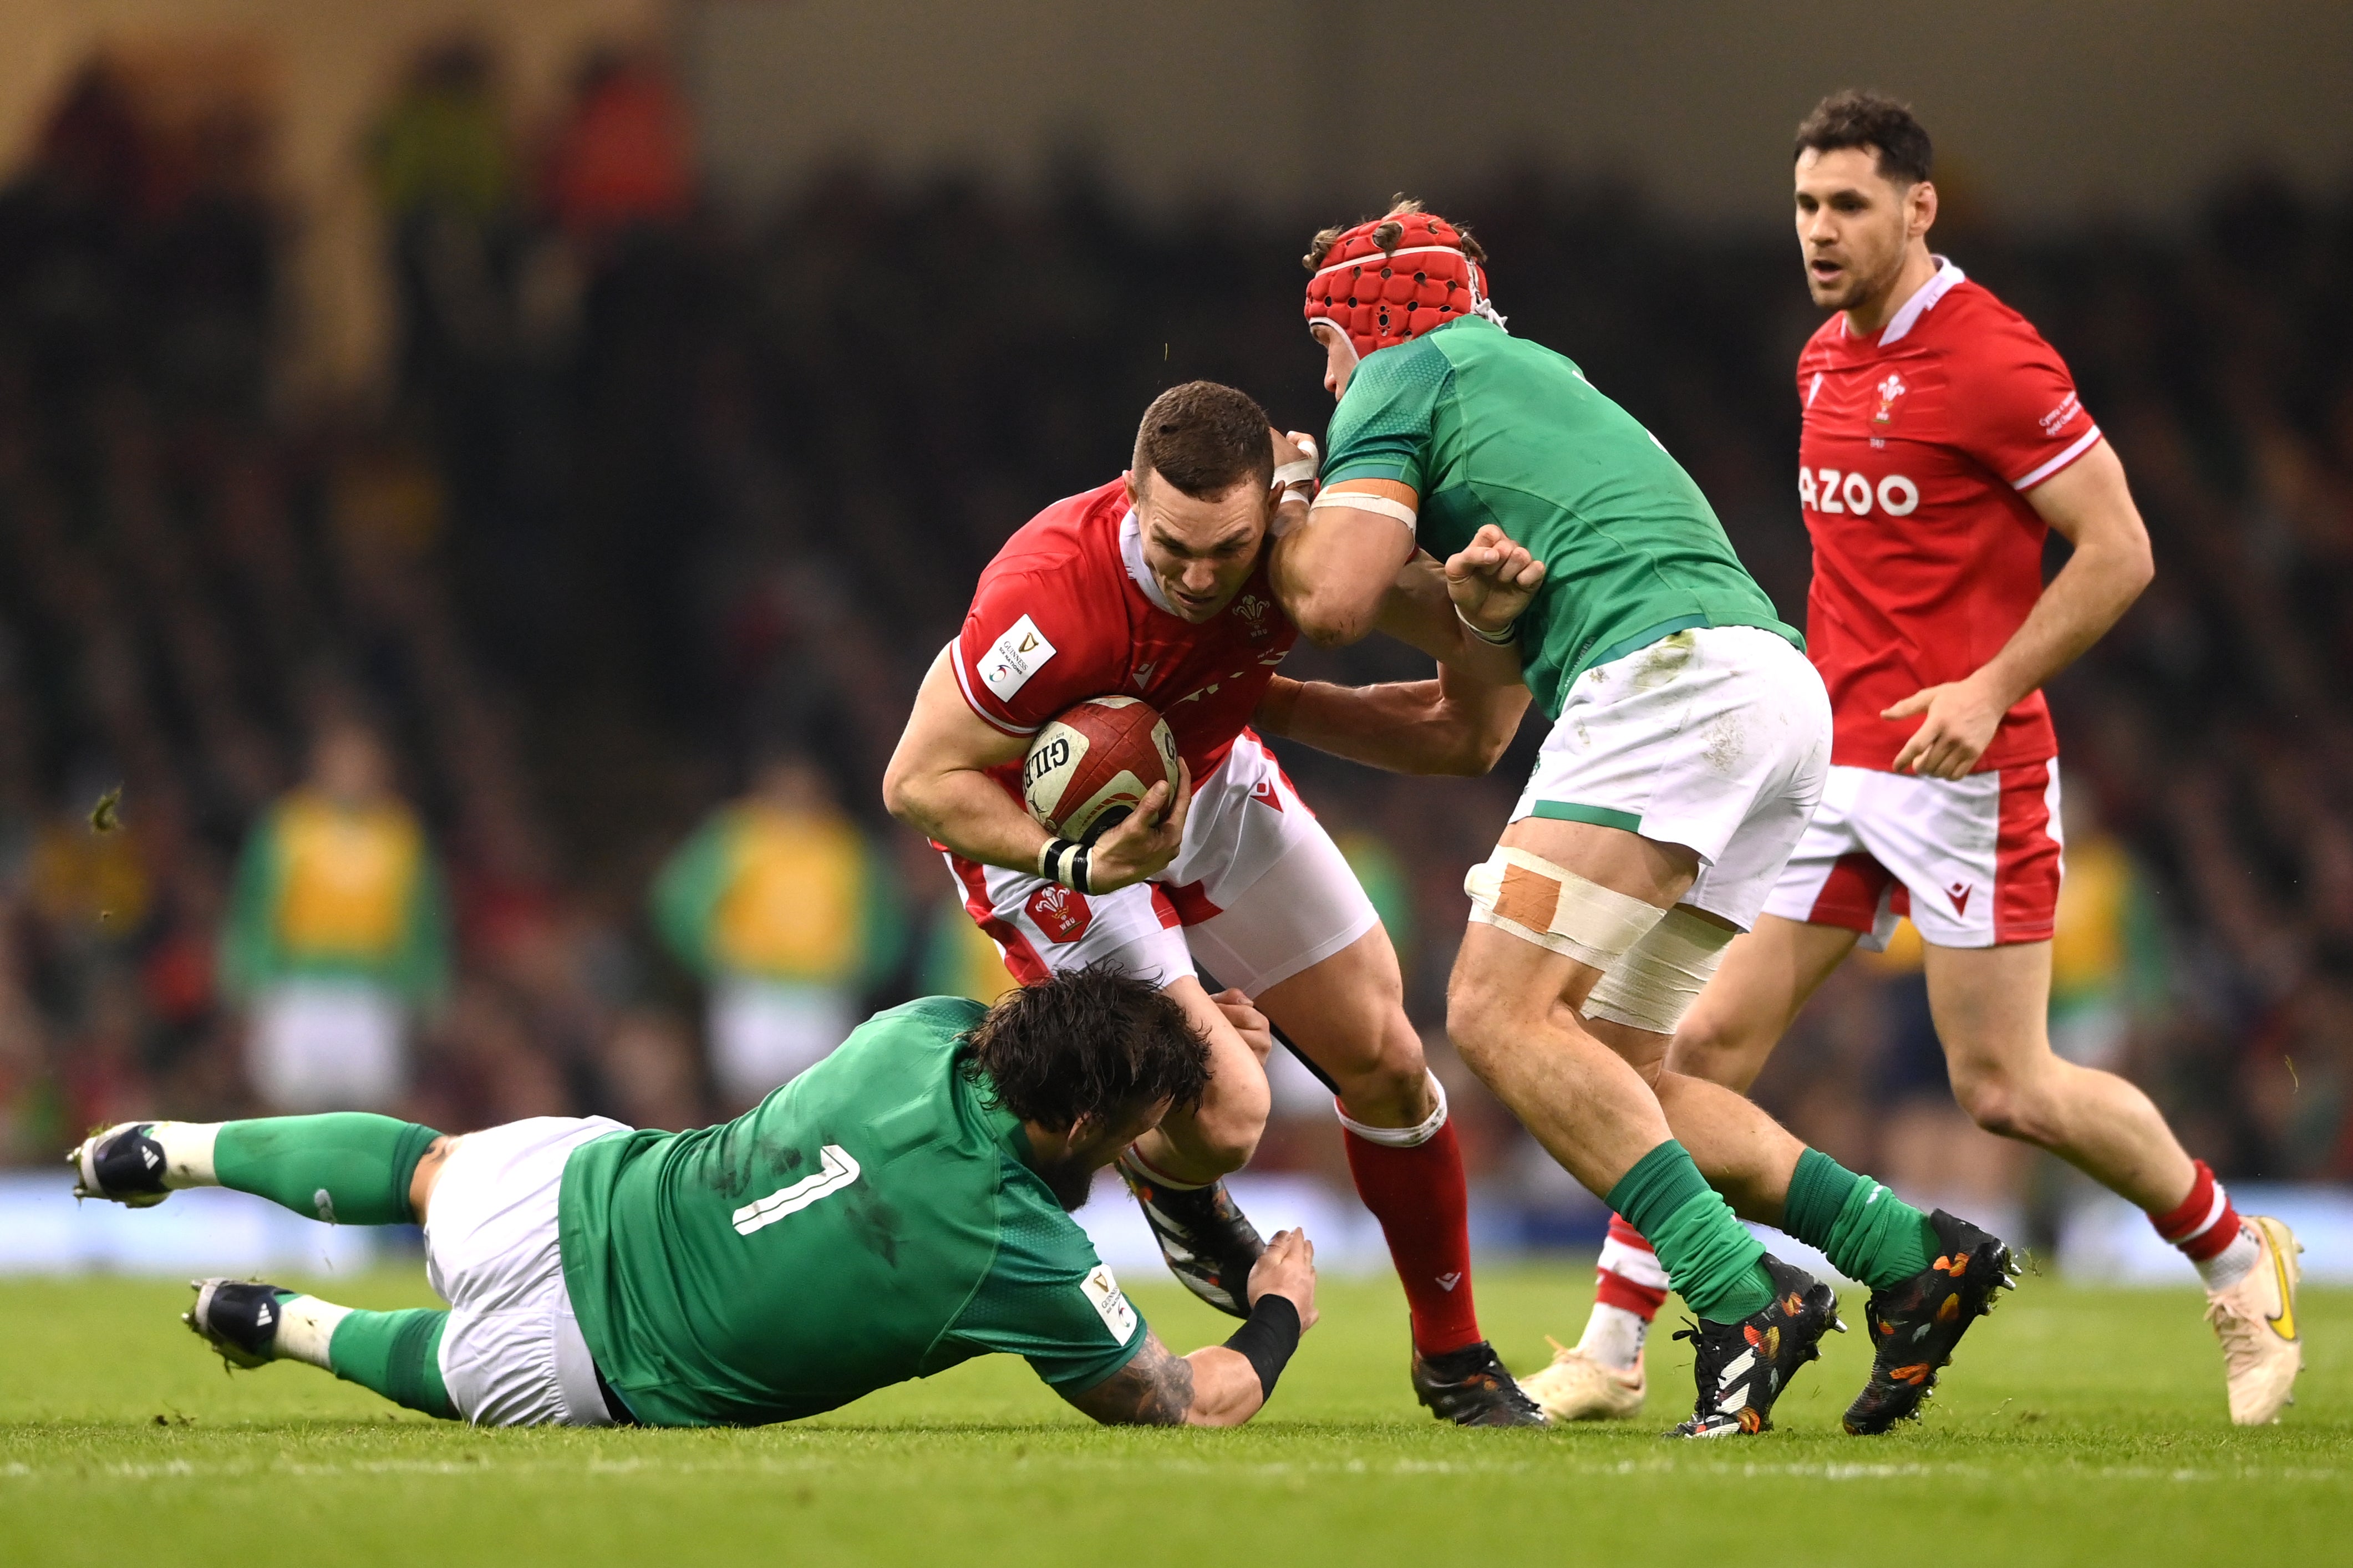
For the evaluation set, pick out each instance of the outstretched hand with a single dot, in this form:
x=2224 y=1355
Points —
x=1287 y=1268
x=1142 y=845
x=1493 y=579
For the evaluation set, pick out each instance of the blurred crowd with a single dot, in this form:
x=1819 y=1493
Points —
x=519 y=733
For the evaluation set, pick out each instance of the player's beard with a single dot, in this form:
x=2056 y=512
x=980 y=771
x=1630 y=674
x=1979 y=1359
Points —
x=1071 y=1181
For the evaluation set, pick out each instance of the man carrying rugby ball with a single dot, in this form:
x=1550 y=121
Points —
x=1154 y=586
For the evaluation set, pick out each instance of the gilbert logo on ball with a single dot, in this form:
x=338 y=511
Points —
x=1092 y=765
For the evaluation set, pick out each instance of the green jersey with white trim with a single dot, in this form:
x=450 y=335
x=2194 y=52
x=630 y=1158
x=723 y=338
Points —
x=873 y=1220
x=1487 y=428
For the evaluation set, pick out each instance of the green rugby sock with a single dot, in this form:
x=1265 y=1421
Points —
x=397 y=1355
x=1709 y=1256
x=347 y=1167
x=1867 y=1232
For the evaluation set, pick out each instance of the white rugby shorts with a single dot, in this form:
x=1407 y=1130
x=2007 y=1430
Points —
x=512 y=1354
x=1257 y=893
x=1974 y=861
x=1715 y=738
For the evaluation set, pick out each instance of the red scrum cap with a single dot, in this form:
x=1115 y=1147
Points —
x=1392 y=280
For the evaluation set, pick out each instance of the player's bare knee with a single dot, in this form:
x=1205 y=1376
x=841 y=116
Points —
x=2004 y=1104
x=1478 y=1024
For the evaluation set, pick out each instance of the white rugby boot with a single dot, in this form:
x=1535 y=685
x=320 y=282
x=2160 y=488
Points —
x=1576 y=1387
x=2255 y=1320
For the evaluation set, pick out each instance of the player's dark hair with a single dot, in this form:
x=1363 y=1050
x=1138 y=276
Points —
x=1089 y=1043
x=1205 y=439
x=1875 y=121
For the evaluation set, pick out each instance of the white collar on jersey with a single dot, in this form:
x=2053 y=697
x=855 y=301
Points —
x=1939 y=284
x=1131 y=550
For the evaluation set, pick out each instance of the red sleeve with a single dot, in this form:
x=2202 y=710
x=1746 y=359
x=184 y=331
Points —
x=2015 y=408
x=1027 y=650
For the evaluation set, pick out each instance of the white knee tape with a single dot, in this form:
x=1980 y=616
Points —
x=1661 y=975
x=1555 y=908
x=1400 y=1137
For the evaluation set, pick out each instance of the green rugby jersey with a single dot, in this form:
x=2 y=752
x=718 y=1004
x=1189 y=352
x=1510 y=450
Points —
x=871 y=1221
x=1487 y=428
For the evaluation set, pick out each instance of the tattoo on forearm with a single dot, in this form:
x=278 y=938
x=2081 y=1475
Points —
x=1156 y=1389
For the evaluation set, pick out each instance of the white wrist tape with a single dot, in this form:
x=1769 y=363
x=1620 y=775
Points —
x=1405 y=514
x=1661 y=975
x=1557 y=909
x=1400 y=1137
x=1301 y=472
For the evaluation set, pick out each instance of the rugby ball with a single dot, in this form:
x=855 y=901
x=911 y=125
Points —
x=1094 y=764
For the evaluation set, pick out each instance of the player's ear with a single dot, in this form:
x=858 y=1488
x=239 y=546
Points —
x=1127 y=478
x=1923 y=203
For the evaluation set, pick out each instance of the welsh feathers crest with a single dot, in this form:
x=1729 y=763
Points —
x=1889 y=390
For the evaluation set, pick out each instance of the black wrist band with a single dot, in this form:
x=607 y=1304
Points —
x=1267 y=1340
x=1066 y=861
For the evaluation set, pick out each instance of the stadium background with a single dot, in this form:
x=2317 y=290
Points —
x=598 y=401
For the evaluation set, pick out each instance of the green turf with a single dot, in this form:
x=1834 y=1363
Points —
x=2080 y=1427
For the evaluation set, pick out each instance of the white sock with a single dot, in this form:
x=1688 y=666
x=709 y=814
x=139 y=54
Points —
x=187 y=1152
x=1614 y=1336
x=306 y=1327
x=2233 y=1263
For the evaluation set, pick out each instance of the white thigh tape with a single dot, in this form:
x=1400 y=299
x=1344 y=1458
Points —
x=1400 y=1137
x=1555 y=908
x=1363 y=502
x=1658 y=979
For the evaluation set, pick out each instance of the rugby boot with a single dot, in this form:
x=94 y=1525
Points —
x=1208 y=1244
x=1915 y=1324
x=121 y=1164
x=1470 y=1387
x=238 y=1318
x=2255 y=1320
x=1577 y=1387
x=1741 y=1367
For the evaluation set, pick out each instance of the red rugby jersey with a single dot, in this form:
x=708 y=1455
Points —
x=1918 y=449
x=1068 y=611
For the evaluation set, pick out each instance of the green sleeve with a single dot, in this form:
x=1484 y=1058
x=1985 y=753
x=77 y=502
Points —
x=1048 y=1298
x=249 y=949
x=882 y=917
x=1383 y=426
x=421 y=971
x=689 y=890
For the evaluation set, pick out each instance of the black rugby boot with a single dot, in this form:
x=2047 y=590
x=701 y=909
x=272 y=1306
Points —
x=1470 y=1387
x=1915 y=1323
x=238 y=1318
x=121 y=1164
x=1741 y=1367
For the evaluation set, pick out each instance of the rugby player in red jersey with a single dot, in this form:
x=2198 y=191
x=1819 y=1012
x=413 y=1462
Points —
x=1942 y=437
x=1155 y=585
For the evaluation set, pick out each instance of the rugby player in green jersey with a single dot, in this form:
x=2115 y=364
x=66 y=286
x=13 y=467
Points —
x=897 y=1209
x=1690 y=742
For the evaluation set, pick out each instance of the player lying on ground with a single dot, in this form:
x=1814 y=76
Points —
x=1155 y=585
x=896 y=1209
x=1942 y=436
x=1689 y=743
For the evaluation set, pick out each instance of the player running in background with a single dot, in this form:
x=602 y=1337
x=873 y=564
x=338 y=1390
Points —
x=1942 y=437
x=1154 y=586
x=1689 y=743
x=896 y=1210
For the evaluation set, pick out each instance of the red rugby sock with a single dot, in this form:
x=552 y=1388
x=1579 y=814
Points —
x=1420 y=1197
x=2202 y=1223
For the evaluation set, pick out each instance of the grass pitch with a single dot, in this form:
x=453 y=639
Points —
x=2080 y=1427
